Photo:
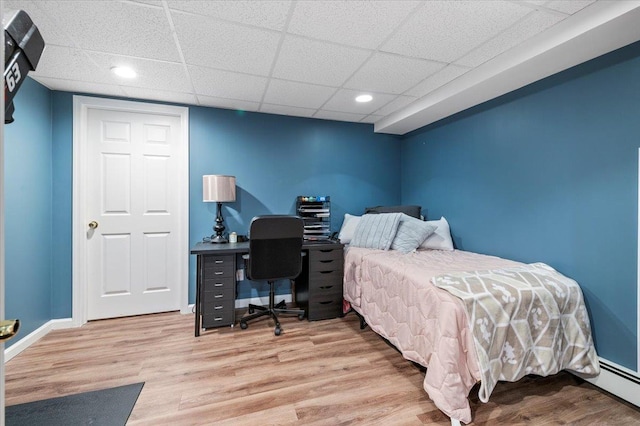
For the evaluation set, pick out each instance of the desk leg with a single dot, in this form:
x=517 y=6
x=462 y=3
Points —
x=198 y=287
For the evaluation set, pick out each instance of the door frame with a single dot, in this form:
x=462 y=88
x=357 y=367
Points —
x=81 y=106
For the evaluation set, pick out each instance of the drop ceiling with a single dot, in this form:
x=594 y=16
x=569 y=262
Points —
x=420 y=60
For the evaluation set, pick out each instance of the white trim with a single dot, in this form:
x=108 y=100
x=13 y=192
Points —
x=262 y=301
x=622 y=387
x=2 y=298
x=243 y=303
x=81 y=104
x=37 y=334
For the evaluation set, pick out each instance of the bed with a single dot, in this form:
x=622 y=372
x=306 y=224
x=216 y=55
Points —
x=466 y=317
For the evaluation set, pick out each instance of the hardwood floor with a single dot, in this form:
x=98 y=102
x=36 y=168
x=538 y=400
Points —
x=315 y=373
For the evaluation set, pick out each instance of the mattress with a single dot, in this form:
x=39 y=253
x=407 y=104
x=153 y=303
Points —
x=394 y=294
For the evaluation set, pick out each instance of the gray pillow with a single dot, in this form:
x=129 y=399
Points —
x=413 y=211
x=411 y=233
x=376 y=231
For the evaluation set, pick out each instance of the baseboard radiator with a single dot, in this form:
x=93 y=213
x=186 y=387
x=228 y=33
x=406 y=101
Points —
x=619 y=381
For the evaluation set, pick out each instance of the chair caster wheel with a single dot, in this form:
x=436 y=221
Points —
x=301 y=317
x=277 y=331
x=243 y=325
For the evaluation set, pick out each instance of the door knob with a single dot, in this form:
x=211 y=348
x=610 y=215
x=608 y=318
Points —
x=8 y=329
x=93 y=224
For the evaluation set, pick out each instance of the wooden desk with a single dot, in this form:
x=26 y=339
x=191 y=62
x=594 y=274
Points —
x=318 y=288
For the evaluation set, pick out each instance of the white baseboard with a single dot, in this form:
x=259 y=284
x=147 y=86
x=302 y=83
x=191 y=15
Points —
x=34 y=336
x=618 y=380
x=262 y=301
x=243 y=303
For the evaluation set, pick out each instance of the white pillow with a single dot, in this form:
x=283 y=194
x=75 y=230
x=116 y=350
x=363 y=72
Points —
x=348 y=228
x=441 y=238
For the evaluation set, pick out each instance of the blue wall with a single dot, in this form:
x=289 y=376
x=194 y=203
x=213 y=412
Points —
x=28 y=204
x=274 y=158
x=548 y=173
x=277 y=158
x=62 y=179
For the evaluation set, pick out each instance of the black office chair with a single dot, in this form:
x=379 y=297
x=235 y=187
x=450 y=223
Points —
x=275 y=253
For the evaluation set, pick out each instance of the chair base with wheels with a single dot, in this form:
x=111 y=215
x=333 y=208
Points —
x=272 y=310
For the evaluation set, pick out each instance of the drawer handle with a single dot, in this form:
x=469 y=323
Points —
x=327 y=272
x=217 y=308
x=217 y=319
x=218 y=285
x=219 y=261
x=326 y=261
x=326 y=250
x=218 y=296
x=326 y=303
x=219 y=272
x=325 y=287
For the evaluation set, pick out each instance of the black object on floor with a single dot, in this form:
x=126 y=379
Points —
x=106 y=407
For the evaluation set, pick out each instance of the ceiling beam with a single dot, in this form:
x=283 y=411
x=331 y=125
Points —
x=598 y=29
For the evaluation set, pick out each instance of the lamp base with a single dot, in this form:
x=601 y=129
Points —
x=218 y=239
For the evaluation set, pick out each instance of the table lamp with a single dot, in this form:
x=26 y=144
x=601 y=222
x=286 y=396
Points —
x=218 y=189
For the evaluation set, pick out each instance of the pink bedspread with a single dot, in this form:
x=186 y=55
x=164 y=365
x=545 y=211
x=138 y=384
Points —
x=394 y=294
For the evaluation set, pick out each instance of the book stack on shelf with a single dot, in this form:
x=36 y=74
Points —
x=316 y=213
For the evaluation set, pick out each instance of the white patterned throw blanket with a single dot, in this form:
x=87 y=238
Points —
x=526 y=319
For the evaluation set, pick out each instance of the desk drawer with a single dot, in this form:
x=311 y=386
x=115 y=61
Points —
x=213 y=271
x=325 y=260
x=218 y=290
x=325 y=289
x=324 y=309
x=218 y=315
x=219 y=266
x=319 y=277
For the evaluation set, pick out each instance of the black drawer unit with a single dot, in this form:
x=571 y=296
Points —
x=218 y=290
x=319 y=290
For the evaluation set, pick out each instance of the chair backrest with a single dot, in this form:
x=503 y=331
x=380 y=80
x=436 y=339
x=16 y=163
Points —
x=275 y=247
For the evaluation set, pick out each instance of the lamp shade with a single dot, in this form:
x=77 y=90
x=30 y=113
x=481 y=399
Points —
x=218 y=188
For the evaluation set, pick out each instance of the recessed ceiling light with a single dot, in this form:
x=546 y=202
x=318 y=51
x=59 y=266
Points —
x=364 y=98
x=124 y=72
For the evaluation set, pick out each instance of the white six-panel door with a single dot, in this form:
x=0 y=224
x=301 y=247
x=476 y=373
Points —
x=134 y=229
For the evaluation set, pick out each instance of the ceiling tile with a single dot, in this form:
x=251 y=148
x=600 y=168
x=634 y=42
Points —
x=446 y=30
x=287 y=110
x=71 y=64
x=356 y=23
x=371 y=118
x=235 y=104
x=132 y=29
x=151 y=2
x=150 y=74
x=568 y=6
x=344 y=101
x=386 y=73
x=224 y=84
x=339 y=116
x=310 y=61
x=531 y=25
x=394 y=105
x=160 y=95
x=81 y=87
x=442 y=77
x=222 y=45
x=265 y=14
x=281 y=92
